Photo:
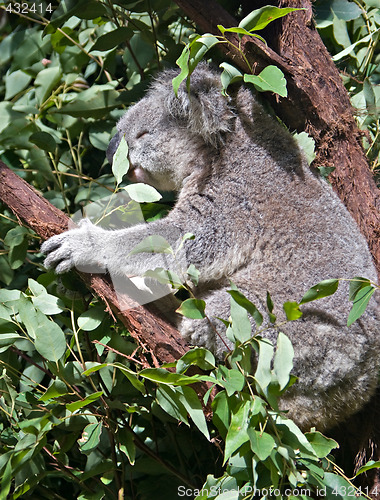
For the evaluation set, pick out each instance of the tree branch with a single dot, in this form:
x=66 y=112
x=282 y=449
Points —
x=151 y=331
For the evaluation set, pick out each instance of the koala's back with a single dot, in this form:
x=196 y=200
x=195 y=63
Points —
x=262 y=219
x=282 y=229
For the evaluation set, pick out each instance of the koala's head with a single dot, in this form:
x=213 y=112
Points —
x=167 y=135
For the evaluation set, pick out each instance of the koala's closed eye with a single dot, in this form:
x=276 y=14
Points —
x=142 y=133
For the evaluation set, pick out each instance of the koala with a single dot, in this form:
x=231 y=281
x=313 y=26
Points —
x=260 y=218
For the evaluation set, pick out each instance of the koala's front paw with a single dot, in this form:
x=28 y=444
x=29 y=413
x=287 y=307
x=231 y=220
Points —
x=79 y=247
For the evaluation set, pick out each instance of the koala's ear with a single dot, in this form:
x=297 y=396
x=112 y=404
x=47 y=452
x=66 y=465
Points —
x=205 y=110
x=112 y=147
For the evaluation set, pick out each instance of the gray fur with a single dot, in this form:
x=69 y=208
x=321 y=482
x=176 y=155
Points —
x=260 y=218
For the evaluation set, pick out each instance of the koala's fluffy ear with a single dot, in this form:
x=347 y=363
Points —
x=204 y=109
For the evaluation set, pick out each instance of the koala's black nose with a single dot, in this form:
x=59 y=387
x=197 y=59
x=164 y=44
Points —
x=112 y=147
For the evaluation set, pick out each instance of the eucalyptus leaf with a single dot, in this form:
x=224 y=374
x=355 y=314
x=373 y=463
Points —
x=142 y=193
x=120 y=163
x=292 y=311
x=194 y=408
x=170 y=401
x=360 y=303
x=271 y=79
x=321 y=444
x=260 y=18
x=262 y=443
x=263 y=373
x=90 y=437
x=15 y=82
x=50 y=340
x=44 y=141
x=198 y=356
x=283 y=360
x=192 y=308
x=237 y=433
x=112 y=39
x=356 y=284
x=84 y=402
x=91 y=319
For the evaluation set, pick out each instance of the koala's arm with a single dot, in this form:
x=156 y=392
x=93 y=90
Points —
x=90 y=248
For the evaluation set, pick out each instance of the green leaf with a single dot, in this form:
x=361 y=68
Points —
x=262 y=443
x=91 y=319
x=6 y=273
x=241 y=326
x=94 y=369
x=152 y=244
x=231 y=379
x=270 y=307
x=50 y=340
x=56 y=389
x=271 y=79
x=162 y=376
x=194 y=408
x=320 y=443
x=292 y=311
x=84 y=402
x=337 y=487
x=198 y=356
x=191 y=56
x=165 y=277
x=120 y=163
x=240 y=299
x=170 y=401
x=192 y=308
x=368 y=466
x=345 y=10
x=44 y=141
x=360 y=303
x=263 y=373
x=356 y=284
x=183 y=63
x=17 y=254
x=237 y=432
x=95 y=102
x=126 y=444
x=45 y=82
x=229 y=75
x=307 y=144
x=48 y=304
x=221 y=413
x=323 y=289
x=15 y=236
x=131 y=376
x=112 y=39
x=142 y=193
x=90 y=438
x=283 y=360
x=15 y=82
x=8 y=339
x=260 y=18
x=193 y=274
x=293 y=437
x=347 y=50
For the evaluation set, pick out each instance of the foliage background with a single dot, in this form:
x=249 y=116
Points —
x=66 y=76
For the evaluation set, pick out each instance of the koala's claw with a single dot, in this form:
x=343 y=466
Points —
x=52 y=243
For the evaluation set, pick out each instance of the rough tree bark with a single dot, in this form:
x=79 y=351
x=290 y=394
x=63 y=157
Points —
x=317 y=101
